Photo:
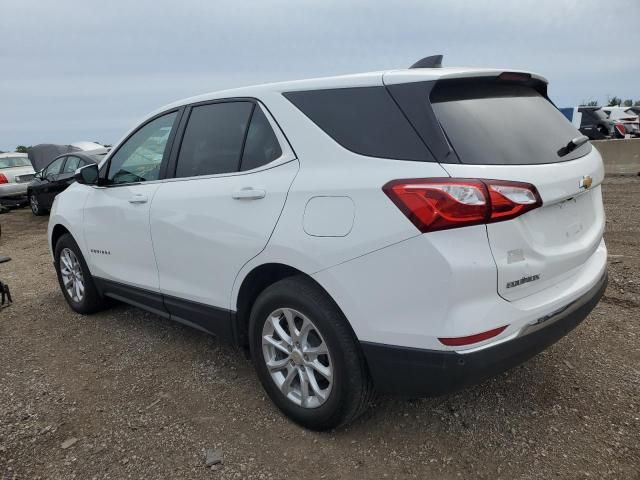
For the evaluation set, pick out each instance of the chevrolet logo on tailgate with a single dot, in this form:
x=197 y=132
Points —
x=586 y=182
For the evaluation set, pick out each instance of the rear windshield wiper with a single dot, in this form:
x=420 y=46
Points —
x=572 y=145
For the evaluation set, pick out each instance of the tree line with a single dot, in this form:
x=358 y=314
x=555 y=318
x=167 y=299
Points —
x=612 y=102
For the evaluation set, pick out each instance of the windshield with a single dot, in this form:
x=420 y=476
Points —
x=9 y=162
x=490 y=123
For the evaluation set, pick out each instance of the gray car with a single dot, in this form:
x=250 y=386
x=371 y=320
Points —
x=15 y=174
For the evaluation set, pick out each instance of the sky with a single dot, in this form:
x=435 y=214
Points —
x=73 y=70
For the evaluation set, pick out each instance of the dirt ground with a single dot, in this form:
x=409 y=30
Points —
x=144 y=397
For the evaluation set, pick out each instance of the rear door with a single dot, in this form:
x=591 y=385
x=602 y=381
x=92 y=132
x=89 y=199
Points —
x=508 y=130
x=233 y=169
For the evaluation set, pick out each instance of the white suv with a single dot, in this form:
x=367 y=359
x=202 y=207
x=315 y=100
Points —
x=408 y=232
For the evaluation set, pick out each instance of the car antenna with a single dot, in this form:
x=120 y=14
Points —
x=433 y=61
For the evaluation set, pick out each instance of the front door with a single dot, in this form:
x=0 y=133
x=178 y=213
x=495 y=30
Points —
x=116 y=213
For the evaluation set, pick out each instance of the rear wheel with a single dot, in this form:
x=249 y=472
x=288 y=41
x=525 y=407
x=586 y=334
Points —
x=306 y=356
x=74 y=277
x=36 y=208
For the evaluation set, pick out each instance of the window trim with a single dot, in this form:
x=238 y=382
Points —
x=286 y=156
x=104 y=169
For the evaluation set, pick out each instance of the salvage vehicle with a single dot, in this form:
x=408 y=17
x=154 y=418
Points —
x=15 y=174
x=55 y=178
x=382 y=232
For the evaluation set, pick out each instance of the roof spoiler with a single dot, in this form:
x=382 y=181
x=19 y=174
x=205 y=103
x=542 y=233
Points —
x=433 y=61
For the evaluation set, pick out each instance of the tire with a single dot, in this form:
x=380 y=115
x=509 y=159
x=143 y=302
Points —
x=329 y=404
x=90 y=300
x=36 y=208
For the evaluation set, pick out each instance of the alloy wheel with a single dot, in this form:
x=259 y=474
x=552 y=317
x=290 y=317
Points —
x=71 y=273
x=297 y=358
x=34 y=203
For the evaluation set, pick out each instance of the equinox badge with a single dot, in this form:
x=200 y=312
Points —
x=531 y=278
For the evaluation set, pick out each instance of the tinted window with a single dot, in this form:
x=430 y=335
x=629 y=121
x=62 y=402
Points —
x=54 y=167
x=364 y=120
x=212 y=141
x=261 y=145
x=502 y=124
x=140 y=157
x=73 y=163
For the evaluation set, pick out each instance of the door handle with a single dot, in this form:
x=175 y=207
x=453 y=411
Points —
x=138 y=198
x=249 y=193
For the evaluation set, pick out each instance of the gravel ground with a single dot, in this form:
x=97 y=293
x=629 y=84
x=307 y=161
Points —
x=125 y=394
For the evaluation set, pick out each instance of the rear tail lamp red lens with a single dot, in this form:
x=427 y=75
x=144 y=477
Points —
x=3 y=178
x=620 y=128
x=442 y=203
x=471 y=339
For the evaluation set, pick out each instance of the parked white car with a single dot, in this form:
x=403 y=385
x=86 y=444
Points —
x=15 y=174
x=386 y=231
x=627 y=117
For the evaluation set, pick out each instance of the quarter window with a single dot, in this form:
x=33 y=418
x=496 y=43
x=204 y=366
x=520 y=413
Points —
x=213 y=139
x=140 y=157
x=364 y=120
x=261 y=146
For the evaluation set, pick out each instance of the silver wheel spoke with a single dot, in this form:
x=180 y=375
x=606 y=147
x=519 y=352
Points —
x=286 y=385
x=314 y=384
x=304 y=389
x=275 y=321
x=313 y=352
x=277 y=344
x=321 y=369
x=277 y=365
x=288 y=315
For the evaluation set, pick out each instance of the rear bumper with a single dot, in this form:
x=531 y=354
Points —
x=13 y=189
x=415 y=372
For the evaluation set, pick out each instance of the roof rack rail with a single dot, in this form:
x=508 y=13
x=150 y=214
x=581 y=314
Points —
x=433 y=61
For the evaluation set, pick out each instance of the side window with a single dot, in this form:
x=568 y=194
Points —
x=140 y=157
x=54 y=167
x=213 y=138
x=73 y=163
x=261 y=145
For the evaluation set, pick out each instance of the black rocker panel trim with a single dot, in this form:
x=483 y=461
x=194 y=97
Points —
x=213 y=320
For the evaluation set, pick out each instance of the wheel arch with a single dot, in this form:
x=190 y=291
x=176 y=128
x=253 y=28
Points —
x=56 y=232
x=254 y=283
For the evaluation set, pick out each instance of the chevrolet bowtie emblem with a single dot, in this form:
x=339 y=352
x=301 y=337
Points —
x=586 y=182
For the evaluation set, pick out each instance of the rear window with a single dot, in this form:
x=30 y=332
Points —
x=364 y=120
x=491 y=123
x=10 y=162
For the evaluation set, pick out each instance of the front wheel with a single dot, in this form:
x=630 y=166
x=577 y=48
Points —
x=36 y=208
x=74 y=277
x=307 y=358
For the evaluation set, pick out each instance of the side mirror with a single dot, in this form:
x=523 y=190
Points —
x=87 y=175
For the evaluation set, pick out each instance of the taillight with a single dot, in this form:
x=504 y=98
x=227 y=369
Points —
x=3 y=178
x=442 y=203
x=620 y=129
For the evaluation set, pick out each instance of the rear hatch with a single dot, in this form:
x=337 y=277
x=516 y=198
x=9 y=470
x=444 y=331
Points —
x=505 y=128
